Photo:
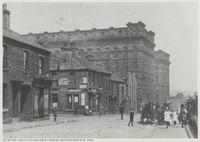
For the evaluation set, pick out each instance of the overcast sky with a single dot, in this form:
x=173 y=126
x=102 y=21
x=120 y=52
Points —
x=175 y=26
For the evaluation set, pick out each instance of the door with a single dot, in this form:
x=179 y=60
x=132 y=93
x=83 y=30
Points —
x=76 y=101
x=69 y=102
x=15 y=102
x=41 y=102
x=24 y=93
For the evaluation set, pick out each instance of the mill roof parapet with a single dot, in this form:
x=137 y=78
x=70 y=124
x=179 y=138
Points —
x=132 y=30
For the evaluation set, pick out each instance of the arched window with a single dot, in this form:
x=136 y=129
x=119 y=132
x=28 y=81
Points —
x=98 y=53
x=116 y=52
x=125 y=52
x=107 y=53
x=81 y=53
x=156 y=68
x=89 y=54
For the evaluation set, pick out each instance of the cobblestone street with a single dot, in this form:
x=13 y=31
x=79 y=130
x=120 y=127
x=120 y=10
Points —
x=108 y=126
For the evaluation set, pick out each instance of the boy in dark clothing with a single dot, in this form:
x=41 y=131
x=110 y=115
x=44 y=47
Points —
x=121 y=110
x=55 y=114
x=131 y=117
x=76 y=111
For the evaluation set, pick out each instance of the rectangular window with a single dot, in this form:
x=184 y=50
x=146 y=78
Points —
x=76 y=99
x=94 y=83
x=72 y=79
x=41 y=65
x=5 y=57
x=26 y=61
x=4 y=96
x=107 y=66
x=82 y=99
x=54 y=98
x=55 y=80
x=70 y=99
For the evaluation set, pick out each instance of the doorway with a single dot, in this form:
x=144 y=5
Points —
x=41 y=103
x=15 y=102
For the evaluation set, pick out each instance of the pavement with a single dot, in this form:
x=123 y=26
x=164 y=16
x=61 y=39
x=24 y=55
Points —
x=106 y=126
x=62 y=118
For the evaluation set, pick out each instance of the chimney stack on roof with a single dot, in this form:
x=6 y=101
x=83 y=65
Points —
x=6 y=17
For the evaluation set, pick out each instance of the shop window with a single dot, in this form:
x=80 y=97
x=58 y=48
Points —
x=4 y=96
x=82 y=99
x=5 y=56
x=26 y=61
x=46 y=101
x=36 y=99
x=41 y=65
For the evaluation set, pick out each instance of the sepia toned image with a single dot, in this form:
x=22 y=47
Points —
x=99 y=70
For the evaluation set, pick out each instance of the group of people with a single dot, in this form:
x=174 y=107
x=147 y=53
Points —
x=131 y=116
x=175 y=116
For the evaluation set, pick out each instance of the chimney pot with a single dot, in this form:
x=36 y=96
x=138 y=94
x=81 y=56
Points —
x=6 y=17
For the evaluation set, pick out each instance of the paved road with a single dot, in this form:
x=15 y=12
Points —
x=99 y=127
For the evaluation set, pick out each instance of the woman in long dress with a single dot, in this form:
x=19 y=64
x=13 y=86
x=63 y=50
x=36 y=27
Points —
x=167 y=117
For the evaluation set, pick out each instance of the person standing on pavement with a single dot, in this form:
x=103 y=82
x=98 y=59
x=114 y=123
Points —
x=76 y=111
x=183 y=115
x=55 y=114
x=121 y=110
x=131 y=117
x=174 y=116
x=167 y=116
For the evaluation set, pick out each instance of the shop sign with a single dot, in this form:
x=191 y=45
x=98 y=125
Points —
x=63 y=81
x=82 y=86
x=74 y=90
x=63 y=89
x=84 y=79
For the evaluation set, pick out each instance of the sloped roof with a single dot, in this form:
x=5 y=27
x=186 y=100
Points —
x=117 y=79
x=17 y=37
x=77 y=63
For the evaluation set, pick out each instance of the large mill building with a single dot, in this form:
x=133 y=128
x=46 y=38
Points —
x=117 y=50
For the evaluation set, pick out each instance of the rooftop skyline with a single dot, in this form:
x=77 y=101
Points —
x=175 y=26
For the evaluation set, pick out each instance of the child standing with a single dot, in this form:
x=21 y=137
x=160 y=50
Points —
x=167 y=115
x=131 y=117
x=174 y=116
x=55 y=114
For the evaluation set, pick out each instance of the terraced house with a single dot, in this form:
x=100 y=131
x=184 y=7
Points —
x=26 y=80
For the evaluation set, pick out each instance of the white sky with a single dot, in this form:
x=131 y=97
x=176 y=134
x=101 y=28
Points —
x=175 y=25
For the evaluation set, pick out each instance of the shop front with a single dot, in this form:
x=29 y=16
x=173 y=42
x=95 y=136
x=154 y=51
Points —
x=41 y=101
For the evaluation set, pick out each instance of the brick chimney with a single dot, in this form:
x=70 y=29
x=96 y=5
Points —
x=6 y=17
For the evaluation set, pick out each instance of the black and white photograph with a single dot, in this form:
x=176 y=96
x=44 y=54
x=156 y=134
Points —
x=81 y=71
